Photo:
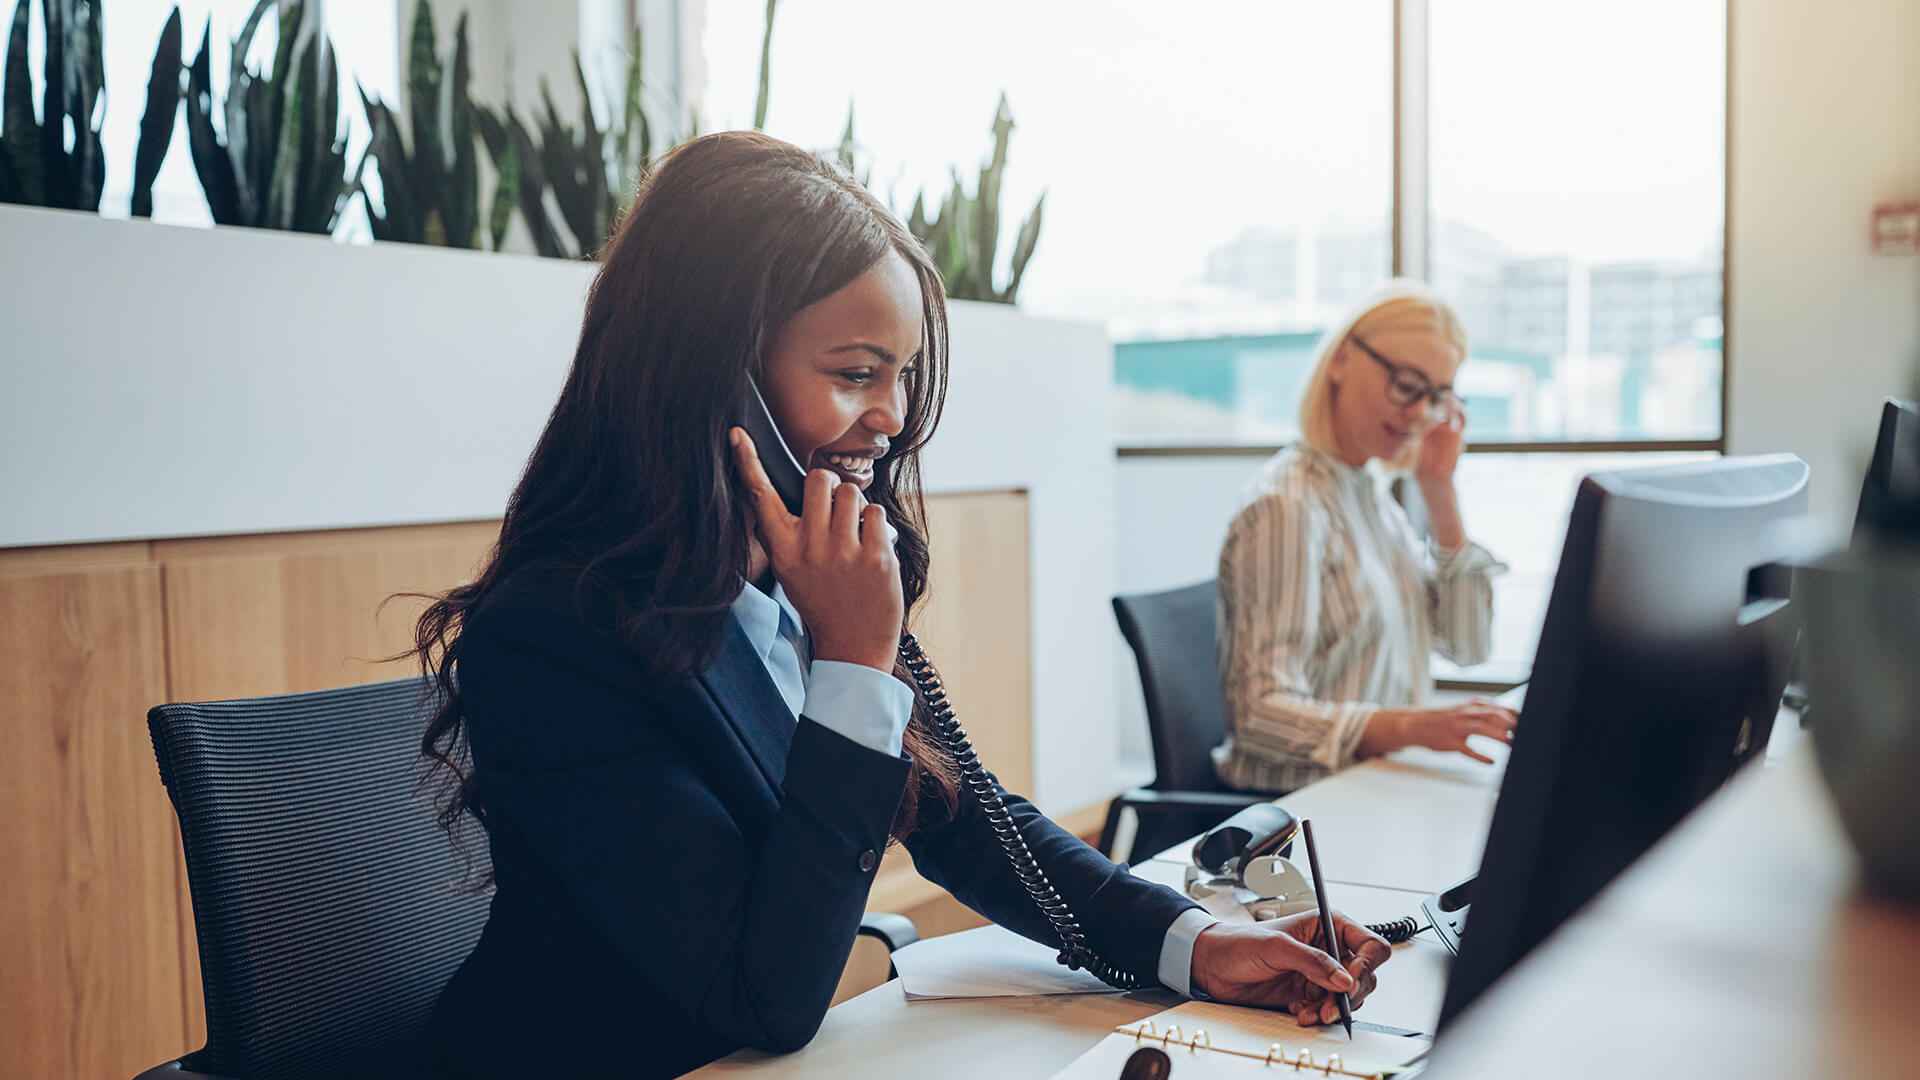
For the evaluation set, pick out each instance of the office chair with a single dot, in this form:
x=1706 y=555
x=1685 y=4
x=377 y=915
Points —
x=1174 y=641
x=330 y=908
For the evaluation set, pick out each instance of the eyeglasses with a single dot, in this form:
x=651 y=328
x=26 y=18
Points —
x=1406 y=385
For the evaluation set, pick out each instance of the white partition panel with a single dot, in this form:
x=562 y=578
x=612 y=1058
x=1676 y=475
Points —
x=164 y=381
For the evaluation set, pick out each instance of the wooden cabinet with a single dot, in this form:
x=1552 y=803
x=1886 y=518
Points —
x=90 y=964
x=99 y=971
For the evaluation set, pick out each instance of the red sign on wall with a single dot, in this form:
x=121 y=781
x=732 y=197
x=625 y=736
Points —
x=1896 y=229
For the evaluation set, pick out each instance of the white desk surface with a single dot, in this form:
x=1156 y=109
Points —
x=1740 y=946
x=1416 y=820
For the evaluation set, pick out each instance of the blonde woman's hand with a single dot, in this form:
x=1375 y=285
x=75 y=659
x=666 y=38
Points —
x=1440 y=449
x=1445 y=728
x=836 y=561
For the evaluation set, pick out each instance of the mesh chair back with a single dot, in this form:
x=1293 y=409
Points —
x=1173 y=638
x=330 y=908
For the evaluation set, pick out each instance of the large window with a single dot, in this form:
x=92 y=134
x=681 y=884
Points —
x=1220 y=171
x=1574 y=212
x=1221 y=186
x=1577 y=213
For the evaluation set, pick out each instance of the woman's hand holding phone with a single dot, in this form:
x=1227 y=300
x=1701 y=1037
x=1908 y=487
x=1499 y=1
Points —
x=836 y=561
x=1440 y=449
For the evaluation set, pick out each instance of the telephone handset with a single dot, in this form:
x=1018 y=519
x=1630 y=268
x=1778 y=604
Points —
x=789 y=481
x=782 y=468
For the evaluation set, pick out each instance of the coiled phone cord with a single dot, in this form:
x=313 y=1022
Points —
x=1398 y=930
x=1074 y=951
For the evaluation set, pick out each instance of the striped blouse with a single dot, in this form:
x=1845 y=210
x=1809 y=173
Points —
x=1330 y=605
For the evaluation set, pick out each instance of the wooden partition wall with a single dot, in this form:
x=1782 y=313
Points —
x=99 y=974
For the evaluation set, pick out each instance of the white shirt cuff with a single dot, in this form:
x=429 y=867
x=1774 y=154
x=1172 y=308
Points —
x=1176 y=951
x=865 y=704
x=1468 y=558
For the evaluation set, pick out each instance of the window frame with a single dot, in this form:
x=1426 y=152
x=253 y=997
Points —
x=1412 y=239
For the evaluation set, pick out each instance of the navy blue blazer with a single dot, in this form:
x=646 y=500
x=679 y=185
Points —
x=680 y=868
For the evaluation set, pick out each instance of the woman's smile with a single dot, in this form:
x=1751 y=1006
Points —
x=854 y=467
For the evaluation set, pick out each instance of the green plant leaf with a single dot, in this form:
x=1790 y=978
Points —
x=956 y=233
x=282 y=191
x=241 y=133
x=917 y=219
x=1023 y=246
x=591 y=165
x=533 y=188
x=88 y=75
x=570 y=168
x=9 y=183
x=506 y=168
x=424 y=108
x=766 y=66
x=843 y=153
x=332 y=180
x=156 y=124
x=56 y=178
x=636 y=140
x=22 y=132
x=399 y=217
x=461 y=207
x=986 y=230
x=210 y=159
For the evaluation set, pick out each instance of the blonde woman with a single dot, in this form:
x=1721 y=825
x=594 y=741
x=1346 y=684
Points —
x=1330 y=604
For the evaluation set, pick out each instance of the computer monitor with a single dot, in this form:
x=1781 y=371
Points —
x=1891 y=491
x=1658 y=672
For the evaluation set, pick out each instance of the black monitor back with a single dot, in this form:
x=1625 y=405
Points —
x=1659 y=671
x=1890 y=494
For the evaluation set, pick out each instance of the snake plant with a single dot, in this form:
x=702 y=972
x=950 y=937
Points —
x=575 y=166
x=430 y=194
x=156 y=124
x=592 y=173
x=522 y=183
x=37 y=167
x=963 y=237
x=278 y=159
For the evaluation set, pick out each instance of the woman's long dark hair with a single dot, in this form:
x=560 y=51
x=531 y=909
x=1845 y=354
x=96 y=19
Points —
x=630 y=490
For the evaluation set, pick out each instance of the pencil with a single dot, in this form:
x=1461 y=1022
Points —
x=1326 y=923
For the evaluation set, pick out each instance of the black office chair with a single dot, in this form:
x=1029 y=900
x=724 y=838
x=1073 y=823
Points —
x=1174 y=641
x=330 y=908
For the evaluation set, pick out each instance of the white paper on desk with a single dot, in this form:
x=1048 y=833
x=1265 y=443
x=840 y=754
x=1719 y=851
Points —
x=987 y=962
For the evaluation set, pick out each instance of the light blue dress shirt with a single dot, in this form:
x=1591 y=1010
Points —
x=872 y=708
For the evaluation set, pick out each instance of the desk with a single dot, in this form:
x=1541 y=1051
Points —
x=1415 y=820
x=1379 y=818
x=1739 y=946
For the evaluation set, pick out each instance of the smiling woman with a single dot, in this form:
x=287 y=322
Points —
x=1330 y=605
x=841 y=401
x=663 y=655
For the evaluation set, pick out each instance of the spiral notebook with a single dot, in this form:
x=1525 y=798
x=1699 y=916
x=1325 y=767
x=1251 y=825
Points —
x=1211 y=1040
